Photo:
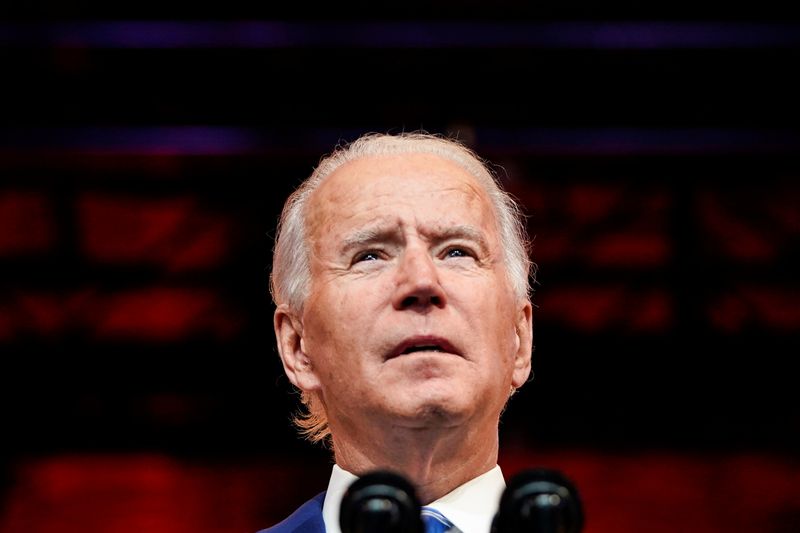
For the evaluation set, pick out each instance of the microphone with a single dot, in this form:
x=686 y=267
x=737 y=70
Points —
x=539 y=501
x=380 y=501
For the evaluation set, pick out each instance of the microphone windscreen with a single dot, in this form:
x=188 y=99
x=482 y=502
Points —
x=539 y=501
x=380 y=501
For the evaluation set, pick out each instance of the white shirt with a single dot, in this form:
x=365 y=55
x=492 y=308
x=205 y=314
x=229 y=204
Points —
x=469 y=507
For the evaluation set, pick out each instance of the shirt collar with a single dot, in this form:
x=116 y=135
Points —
x=340 y=480
x=472 y=506
x=469 y=507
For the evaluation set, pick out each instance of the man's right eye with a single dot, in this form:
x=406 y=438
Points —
x=367 y=256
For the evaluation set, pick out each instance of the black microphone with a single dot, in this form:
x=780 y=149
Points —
x=380 y=501
x=539 y=501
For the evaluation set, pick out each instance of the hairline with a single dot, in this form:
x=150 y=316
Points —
x=503 y=207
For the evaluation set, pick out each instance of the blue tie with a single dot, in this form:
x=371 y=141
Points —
x=435 y=522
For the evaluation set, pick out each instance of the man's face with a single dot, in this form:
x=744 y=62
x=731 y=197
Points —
x=411 y=319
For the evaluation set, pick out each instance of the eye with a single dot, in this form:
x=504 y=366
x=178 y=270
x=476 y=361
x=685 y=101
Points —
x=458 y=252
x=370 y=255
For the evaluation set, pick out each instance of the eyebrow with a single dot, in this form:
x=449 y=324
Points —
x=367 y=236
x=463 y=231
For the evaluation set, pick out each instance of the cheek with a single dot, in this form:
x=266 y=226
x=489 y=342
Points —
x=337 y=328
x=503 y=336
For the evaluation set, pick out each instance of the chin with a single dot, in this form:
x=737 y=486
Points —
x=443 y=401
x=439 y=412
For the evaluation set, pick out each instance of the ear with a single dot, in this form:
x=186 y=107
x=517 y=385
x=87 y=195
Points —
x=524 y=333
x=296 y=363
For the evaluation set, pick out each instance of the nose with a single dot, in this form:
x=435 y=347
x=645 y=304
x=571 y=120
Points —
x=418 y=285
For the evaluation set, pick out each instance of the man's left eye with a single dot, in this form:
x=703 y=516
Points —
x=457 y=252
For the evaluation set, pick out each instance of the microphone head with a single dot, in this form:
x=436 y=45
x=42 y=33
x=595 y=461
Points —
x=539 y=501
x=380 y=501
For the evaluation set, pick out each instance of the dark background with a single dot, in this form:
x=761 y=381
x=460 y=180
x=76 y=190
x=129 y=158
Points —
x=145 y=154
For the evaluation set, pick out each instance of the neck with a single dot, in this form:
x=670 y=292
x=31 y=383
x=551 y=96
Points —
x=434 y=460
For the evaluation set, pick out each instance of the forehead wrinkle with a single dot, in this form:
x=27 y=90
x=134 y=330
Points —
x=347 y=183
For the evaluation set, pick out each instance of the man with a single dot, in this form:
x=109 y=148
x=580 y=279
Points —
x=403 y=316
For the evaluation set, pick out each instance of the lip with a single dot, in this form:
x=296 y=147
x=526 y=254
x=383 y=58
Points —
x=420 y=340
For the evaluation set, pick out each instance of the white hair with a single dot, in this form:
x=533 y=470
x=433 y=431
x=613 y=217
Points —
x=290 y=281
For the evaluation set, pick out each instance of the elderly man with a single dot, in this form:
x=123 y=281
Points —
x=403 y=316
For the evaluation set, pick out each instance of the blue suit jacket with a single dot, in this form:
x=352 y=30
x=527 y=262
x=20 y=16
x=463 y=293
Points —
x=306 y=519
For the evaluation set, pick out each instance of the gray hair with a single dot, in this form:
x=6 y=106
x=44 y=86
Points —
x=290 y=281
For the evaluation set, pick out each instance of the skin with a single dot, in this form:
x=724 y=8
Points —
x=405 y=252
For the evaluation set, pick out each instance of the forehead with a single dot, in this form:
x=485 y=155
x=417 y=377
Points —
x=386 y=185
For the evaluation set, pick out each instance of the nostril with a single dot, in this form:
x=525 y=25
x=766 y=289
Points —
x=409 y=301
x=414 y=301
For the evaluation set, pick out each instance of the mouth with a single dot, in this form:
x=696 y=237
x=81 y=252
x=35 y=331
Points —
x=423 y=344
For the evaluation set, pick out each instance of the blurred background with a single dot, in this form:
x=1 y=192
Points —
x=145 y=153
